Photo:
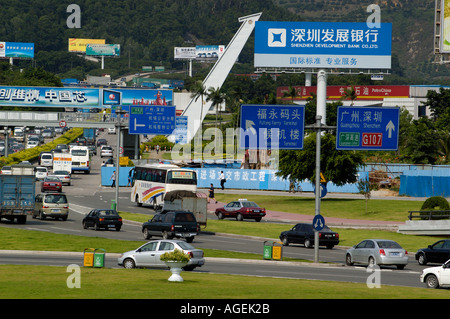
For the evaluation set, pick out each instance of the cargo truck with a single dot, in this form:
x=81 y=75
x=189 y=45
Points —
x=89 y=135
x=17 y=192
x=194 y=202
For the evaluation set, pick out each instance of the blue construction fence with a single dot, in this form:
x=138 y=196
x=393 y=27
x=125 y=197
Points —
x=414 y=181
x=425 y=183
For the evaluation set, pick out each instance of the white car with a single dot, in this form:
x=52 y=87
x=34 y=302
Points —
x=112 y=130
x=41 y=172
x=435 y=277
x=106 y=151
x=148 y=255
x=31 y=144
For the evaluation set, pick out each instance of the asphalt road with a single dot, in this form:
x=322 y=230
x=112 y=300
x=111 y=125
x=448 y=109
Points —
x=86 y=193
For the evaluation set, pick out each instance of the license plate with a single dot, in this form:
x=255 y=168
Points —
x=56 y=210
x=111 y=225
x=395 y=254
x=256 y=211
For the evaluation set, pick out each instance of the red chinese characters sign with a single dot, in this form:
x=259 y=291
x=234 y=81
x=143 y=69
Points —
x=336 y=92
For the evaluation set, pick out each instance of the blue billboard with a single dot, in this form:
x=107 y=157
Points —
x=322 y=45
x=272 y=126
x=17 y=50
x=48 y=97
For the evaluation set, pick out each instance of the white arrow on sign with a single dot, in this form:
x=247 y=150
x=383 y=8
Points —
x=390 y=127
x=249 y=126
x=136 y=125
x=318 y=223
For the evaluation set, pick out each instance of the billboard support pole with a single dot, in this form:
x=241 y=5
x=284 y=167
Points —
x=322 y=95
x=103 y=62
x=317 y=198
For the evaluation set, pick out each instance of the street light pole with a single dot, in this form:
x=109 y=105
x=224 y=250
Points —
x=119 y=112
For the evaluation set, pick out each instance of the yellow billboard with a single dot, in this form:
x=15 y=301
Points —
x=79 y=45
x=445 y=45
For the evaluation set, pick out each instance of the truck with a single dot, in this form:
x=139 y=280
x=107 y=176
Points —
x=194 y=202
x=17 y=192
x=62 y=162
x=89 y=135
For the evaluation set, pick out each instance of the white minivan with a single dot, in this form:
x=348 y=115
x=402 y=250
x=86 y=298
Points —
x=47 y=159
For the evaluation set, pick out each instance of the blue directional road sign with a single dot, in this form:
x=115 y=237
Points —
x=272 y=126
x=152 y=119
x=367 y=128
x=318 y=222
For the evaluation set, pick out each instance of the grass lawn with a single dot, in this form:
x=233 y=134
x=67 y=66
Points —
x=43 y=282
x=377 y=209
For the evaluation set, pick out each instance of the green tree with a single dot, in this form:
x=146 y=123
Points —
x=339 y=167
x=217 y=97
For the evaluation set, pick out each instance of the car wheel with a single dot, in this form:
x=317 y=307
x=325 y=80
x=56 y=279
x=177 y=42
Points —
x=401 y=267
x=118 y=228
x=41 y=216
x=422 y=260
x=285 y=241
x=129 y=263
x=146 y=233
x=348 y=260
x=97 y=226
x=220 y=216
x=257 y=219
x=84 y=225
x=165 y=235
x=372 y=262
x=188 y=268
x=137 y=201
x=190 y=239
x=431 y=281
x=308 y=243
x=239 y=217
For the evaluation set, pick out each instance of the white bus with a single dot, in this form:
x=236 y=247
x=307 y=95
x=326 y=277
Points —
x=152 y=181
x=81 y=160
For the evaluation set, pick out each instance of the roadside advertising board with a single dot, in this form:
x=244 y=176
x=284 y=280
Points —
x=322 y=45
x=103 y=49
x=79 y=45
x=336 y=92
x=19 y=50
x=445 y=25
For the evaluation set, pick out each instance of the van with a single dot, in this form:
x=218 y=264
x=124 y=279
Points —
x=46 y=159
x=53 y=205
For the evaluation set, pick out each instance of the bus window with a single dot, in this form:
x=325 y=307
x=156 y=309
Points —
x=182 y=177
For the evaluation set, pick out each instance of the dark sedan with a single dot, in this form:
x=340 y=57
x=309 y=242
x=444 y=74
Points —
x=102 y=218
x=51 y=183
x=439 y=253
x=241 y=209
x=304 y=234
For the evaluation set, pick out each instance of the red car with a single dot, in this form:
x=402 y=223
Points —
x=241 y=209
x=51 y=183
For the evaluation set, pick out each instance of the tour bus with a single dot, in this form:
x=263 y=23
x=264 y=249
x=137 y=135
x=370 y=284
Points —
x=152 y=181
x=80 y=159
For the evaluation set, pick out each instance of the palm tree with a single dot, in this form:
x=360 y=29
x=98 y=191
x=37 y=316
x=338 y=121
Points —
x=349 y=94
x=291 y=92
x=199 y=90
x=217 y=97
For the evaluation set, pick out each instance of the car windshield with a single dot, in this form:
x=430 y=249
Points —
x=61 y=173
x=185 y=245
x=184 y=218
x=107 y=213
x=55 y=199
x=388 y=244
x=41 y=169
x=79 y=152
x=52 y=179
x=249 y=204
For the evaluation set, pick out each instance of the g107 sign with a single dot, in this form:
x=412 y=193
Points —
x=322 y=45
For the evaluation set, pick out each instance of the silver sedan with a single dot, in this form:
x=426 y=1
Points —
x=377 y=252
x=148 y=255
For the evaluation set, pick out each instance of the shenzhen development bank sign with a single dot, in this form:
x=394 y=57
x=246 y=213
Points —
x=322 y=45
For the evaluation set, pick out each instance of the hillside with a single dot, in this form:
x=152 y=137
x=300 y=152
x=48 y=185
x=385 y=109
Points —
x=148 y=30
